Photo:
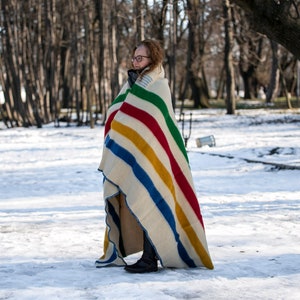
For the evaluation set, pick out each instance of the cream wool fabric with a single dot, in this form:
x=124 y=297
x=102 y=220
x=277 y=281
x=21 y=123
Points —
x=148 y=184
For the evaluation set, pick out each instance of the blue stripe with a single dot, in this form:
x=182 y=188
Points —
x=110 y=260
x=146 y=181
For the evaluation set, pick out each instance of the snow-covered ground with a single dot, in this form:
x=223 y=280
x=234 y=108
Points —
x=52 y=218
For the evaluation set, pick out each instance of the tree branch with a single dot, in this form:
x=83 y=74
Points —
x=279 y=20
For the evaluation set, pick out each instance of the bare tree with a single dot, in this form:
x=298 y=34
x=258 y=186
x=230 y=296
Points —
x=274 y=77
x=228 y=59
x=250 y=53
x=61 y=60
x=279 y=20
x=195 y=75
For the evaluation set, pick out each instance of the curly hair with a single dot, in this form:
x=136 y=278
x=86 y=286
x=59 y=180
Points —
x=155 y=52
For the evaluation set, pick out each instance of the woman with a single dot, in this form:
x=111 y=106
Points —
x=148 y=189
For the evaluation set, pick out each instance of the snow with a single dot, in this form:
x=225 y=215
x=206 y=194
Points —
x=52 y=215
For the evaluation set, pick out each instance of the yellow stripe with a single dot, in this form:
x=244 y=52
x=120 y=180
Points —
x=147 y=150
x=105 y=244
x=165 y=176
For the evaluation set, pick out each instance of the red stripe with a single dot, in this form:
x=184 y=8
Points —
x=180 y=178
x=108 y=122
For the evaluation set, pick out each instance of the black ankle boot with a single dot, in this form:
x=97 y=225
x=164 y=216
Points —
x=147 y=263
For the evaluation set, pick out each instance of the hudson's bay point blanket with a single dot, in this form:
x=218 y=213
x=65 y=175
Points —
x=144 y=158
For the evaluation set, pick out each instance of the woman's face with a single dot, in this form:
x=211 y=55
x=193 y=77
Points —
x=141 y=58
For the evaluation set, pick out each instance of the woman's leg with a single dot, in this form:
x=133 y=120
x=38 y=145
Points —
x=148 y=262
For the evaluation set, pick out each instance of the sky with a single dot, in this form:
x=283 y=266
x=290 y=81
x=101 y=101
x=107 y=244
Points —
x=52 y=216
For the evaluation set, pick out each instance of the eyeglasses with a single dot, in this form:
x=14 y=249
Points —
x=138 y=58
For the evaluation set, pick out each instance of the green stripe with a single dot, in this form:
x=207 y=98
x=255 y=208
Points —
x=120 y=98
x=160 y=104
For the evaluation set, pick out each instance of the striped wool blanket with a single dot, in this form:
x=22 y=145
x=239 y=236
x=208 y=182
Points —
x=147 y=180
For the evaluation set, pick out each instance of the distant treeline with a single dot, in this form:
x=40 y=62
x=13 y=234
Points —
x=66 y=60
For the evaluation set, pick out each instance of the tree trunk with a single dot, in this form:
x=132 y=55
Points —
x=87 y=66
x=228 y=61
x=195 y=74
x=173 y=47
x=285 y=90
x=274 y=79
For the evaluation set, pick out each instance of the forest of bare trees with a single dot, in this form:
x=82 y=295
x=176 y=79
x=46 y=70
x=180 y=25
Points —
x=66 y=60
